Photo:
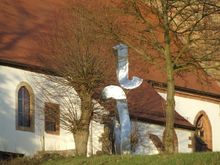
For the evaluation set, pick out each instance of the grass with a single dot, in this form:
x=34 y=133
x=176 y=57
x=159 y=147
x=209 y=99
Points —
x=208 y=158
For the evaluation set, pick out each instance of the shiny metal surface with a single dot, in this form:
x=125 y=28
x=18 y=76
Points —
x=122 y=123
x=113 y=92
x=121 y=51
x=122 y=129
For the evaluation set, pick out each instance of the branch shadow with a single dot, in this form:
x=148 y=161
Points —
x=12 y=140
x=18 y=24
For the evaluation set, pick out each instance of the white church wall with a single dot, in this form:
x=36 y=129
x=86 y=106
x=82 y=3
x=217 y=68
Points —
x=146 y=146
x=184 y=141
x=189 y=108
x=94 y=143
x=28 y=143
x=13 y=140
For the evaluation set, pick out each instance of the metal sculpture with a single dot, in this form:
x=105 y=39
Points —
x=121 y=51
x=122 y=127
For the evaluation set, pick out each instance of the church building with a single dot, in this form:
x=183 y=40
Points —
x=25 y=130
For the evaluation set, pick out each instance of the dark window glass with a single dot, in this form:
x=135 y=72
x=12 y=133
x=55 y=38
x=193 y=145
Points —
x=50 y=126
x=23 y=107
x=52 y=118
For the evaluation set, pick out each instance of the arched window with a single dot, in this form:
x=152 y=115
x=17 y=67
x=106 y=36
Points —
x=25 y=108
x=203 y=133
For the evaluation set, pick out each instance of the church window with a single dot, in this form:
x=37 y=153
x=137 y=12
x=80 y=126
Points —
x=203 y=133
x=25 y=108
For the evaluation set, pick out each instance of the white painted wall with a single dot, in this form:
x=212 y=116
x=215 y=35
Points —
x=28 y=143
x=146 y=146
x=94 y=143
x=189 y=108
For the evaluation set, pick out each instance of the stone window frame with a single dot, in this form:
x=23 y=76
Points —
x=209 y=127
x=57 y=124
x=32 y=108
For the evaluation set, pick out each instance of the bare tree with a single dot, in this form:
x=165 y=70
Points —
x=180 y=36
x=76 y=57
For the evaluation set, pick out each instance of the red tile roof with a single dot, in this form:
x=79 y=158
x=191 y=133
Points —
x=197 y=80
x=21 y=20
x=144 y=103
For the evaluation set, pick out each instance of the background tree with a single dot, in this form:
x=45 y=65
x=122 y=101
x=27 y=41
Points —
x=77 y=58
x=176 y=36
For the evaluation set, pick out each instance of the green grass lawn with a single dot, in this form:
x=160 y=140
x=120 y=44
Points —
x=208 y=158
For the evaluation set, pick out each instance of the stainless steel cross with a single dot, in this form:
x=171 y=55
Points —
x=122 y=128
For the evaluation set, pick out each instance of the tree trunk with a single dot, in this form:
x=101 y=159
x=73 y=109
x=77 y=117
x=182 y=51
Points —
x=170 y=103
x=81 y=134
x=81 y=141
x=170 y=109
